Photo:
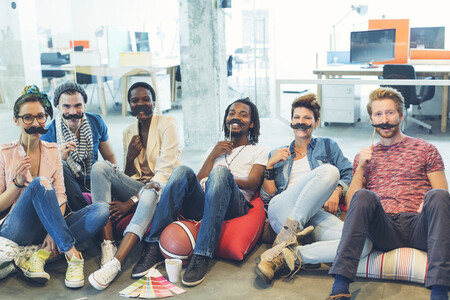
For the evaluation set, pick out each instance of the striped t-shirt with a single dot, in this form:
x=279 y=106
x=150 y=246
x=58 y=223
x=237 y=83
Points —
x=398 y=173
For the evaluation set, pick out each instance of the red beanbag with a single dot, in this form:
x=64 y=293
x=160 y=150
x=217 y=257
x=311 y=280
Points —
x=239 y=235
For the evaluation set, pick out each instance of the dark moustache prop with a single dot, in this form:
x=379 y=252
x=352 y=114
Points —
x=140 y=108
x=74 y=116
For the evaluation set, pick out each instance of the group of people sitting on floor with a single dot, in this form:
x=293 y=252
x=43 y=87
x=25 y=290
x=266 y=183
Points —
x=396 y=192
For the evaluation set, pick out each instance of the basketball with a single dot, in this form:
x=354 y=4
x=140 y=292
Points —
x=178 y=240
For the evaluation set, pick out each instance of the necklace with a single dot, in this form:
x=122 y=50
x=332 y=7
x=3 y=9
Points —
x=229 y=164
x=301 y=154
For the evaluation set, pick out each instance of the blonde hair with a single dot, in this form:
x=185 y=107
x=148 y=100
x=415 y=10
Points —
x=386 y=93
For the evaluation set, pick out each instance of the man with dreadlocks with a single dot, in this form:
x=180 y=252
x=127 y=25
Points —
x=231 y=173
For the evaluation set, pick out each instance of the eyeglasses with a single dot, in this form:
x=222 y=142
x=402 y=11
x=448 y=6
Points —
x=28 y=119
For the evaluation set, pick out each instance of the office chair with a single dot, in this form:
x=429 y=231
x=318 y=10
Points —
x=409 y=91
x=53 y=59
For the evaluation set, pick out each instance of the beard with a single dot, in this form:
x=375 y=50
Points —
x=237 y=134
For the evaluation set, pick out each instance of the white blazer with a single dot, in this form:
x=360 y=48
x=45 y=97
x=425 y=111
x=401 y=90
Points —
x=163 y=151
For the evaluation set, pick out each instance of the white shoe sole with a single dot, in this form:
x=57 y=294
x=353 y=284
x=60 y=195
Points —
x=95 y=284
x=74 y=284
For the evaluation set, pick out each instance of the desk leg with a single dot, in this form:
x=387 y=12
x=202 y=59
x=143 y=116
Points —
x=173 y=83
x=124 y=94
x=155 y=87
x=444 y=106
x=319 y=94
x=101 y=95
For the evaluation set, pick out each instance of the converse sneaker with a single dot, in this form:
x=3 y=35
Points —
x=196 y=270
x=151 y=257
x=74 y=273
x=33 y=268
x=101 y=279
x=109 y=249
x=276 y=258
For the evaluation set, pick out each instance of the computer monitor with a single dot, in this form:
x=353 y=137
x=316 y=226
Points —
x=142 y=42
x=372 y=46
x=427 y=38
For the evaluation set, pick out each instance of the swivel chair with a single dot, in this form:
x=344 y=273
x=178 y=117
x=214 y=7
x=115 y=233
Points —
x=409 y=91
x=52 y=61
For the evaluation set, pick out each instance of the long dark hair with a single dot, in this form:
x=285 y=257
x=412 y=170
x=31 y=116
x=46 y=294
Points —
x=253 y=133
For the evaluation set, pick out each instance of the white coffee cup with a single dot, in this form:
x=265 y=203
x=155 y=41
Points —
x=173 y=269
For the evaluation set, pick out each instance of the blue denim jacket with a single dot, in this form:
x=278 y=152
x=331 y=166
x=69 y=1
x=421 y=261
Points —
x=319 y=151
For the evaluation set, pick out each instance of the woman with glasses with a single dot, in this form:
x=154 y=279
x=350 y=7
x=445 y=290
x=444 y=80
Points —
x=33 y=199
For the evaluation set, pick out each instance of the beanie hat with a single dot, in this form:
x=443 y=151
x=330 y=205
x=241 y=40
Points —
x=66 y=86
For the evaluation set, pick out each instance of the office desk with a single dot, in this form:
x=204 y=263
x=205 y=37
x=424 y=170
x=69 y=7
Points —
x=124 y=72
x=421 y=71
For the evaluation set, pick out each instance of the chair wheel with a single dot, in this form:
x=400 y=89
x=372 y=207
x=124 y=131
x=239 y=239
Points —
x=326 y=123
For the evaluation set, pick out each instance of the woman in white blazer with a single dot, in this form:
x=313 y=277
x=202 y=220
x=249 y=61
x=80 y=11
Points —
x=151 y=151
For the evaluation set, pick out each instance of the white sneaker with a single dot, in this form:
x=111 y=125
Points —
x=8 y=250
x=101 y=279
x=109 y=249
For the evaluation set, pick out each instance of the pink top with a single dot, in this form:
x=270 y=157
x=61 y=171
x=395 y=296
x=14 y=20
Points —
x=50 y=167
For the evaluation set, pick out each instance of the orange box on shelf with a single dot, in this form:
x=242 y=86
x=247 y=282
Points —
x=429 y=54
x=401 y=27
x=85 y=44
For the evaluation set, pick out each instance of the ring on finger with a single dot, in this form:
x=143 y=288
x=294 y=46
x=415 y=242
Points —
x=67 y=147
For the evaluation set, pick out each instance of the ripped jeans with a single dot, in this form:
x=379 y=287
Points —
x=37 y=213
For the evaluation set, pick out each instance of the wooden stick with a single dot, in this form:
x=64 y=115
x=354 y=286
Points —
x=230 y=132
x=291 y=138
x=28 y=146
x=373 y=135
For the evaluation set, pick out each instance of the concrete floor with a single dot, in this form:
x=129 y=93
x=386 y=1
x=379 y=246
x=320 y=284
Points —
x=226 y=279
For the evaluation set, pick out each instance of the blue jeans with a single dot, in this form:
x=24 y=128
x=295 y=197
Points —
x=427 y=231
x=75 y=188
x=107 y=179
x=37 y=213
x=303 y=203
x=222 y=200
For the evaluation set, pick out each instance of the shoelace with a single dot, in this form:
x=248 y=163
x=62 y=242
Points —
x=75 y=270
x=36 y=263
x=292 y=273
x=195 y=264
x=107 y=273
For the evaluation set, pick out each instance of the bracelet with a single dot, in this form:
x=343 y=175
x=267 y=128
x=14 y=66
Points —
x=269 y=174
x=135 y=199
x=18 y=185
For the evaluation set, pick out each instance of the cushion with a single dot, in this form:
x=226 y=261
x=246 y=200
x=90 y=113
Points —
x=406 y=264
x=88 y=198
x=239 y=235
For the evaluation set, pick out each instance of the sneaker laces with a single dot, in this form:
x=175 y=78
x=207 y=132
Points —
x=108 y=271
x=194 y=265
x=75 y=269
x=36 y=263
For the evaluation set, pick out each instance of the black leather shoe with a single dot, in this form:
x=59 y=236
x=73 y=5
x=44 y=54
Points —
x=151 y=257
x=196 y=270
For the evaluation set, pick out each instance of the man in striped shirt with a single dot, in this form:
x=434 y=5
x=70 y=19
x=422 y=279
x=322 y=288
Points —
x=398 y=197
